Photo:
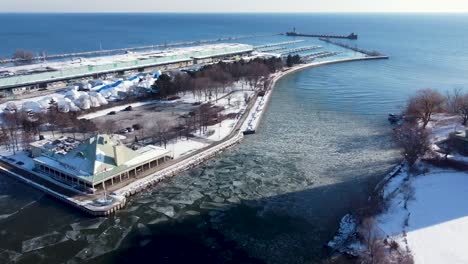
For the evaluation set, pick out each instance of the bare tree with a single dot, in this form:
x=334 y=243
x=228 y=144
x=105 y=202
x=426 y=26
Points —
x=370 y=237
x=246 y=98
x=463 y=108
x=413 y=140
x=5 y=137
x=453 y=100
x=108 y=127
x=424 y=104
x=12 y=124
x=26 y=139
x=161 y=131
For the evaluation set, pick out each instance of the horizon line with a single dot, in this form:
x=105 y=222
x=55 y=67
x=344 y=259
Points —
x=240 y=12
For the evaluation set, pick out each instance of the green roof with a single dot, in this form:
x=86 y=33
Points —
x=98 y=158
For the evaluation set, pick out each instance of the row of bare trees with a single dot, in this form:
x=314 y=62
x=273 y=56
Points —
x=214 y=79
x=20 y=128
x=428 y=101
x=23 y=55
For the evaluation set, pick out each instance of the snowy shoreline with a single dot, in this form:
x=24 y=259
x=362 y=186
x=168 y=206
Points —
x=423 y=217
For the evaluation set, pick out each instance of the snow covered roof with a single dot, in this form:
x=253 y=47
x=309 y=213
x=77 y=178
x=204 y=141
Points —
x=100 y=157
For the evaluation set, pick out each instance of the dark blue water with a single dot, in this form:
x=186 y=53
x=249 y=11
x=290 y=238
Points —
x=322 y=145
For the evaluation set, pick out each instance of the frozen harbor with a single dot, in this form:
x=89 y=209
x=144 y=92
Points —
x=262 y=199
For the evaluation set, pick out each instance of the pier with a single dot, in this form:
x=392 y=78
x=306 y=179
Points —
x=279 y=44
x=300 y=49
x=351 y=36
x=272 y=49
x=356 y=49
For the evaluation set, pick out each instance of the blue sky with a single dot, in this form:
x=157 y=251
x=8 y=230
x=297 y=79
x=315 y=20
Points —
x=234 y=6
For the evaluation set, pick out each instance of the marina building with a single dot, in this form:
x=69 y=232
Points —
x=17 y=79
x=96 y=163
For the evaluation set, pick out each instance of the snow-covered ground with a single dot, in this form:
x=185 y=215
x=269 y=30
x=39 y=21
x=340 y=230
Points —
x=428 y=213
x=183 y=147
x=116 y=109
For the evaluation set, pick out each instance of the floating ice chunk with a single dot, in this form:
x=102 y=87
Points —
x=233 y=200
x=214 y=206
x=218 y=199
x=237 y=183
x=8 y=256
x=145 y=242
x=166 y=210
x=43 y=241
x=73 y=235
x=145 y=201
x=88 y=224
x=5 y=216
x=158 y=220
x=143 y=230
x=107 y=241
x=193 y=213
x=187 y=198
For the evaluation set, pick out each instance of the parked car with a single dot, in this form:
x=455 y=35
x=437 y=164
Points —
x=112 y=113
x=128 y=108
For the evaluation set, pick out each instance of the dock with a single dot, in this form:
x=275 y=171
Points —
x=279 y=44
x=272 y=49
x=300 y=49
x=351 y=36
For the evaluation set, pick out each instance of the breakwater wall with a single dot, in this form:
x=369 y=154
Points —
x=356 y=49
x=296 y=34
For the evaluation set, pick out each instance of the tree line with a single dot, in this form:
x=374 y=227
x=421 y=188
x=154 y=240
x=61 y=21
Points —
x=213 y=79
